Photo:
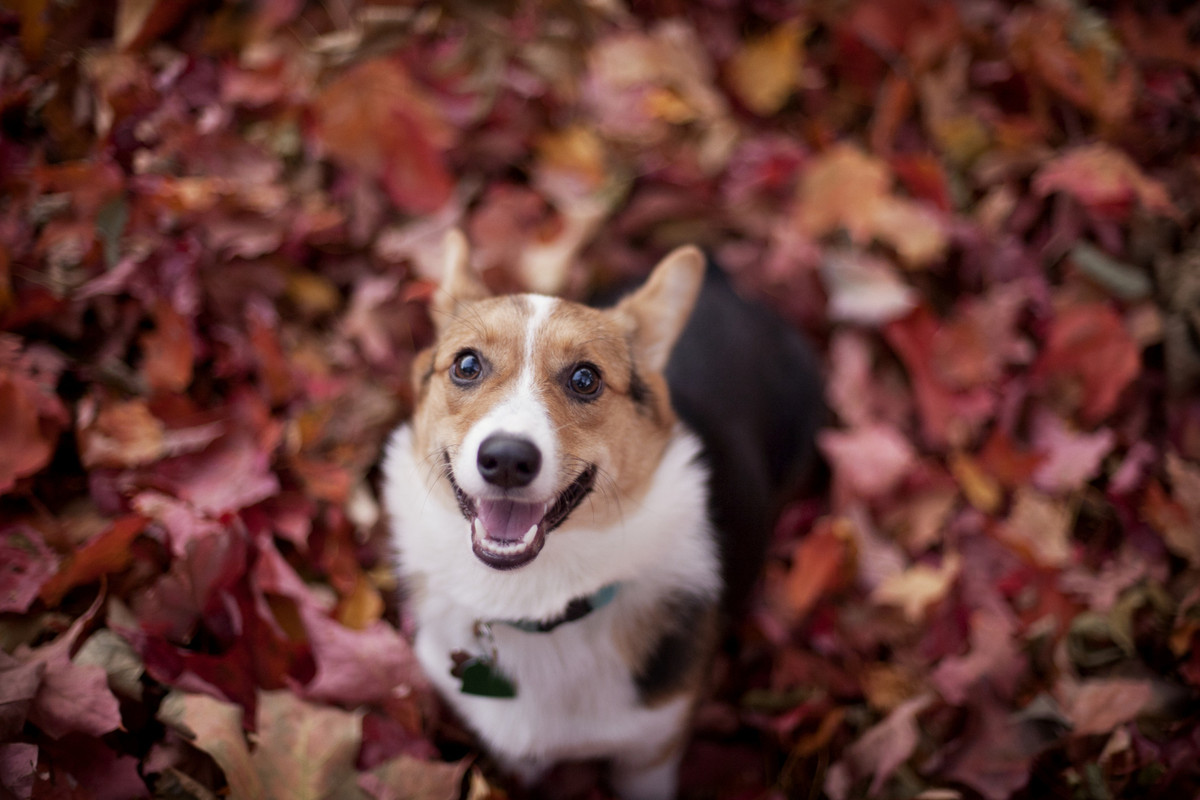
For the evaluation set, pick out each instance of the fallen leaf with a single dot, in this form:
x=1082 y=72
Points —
x=18 y=768
x=888 y=744
x=1069 y=459
x=1105 y=180
x=19 y=682
x=864 y=289
x=105 y=553
x=215 y=727
x=819 y=562
x=408 y=778
x=168 y=352
x=1091 y=359
x=846 y=189
x=357 y=666
x=305 y=751
x=763 y=72
x=29 y=427
x=993 y=659
x=72 y=697
x=25 y=564
x=376 y=119
x=123 y=433
x=870 y=460
x=1100 y=705
x=1040 y=527
x=918 y=587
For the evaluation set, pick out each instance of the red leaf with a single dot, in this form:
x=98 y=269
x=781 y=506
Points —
x=72 y=697
x=25 y=564
x=1090 y=359
x=375 y=119
x=1104 y=180
x=870 y=460
x=355 y=667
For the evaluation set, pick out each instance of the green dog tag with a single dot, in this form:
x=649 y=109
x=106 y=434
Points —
x=479 y=677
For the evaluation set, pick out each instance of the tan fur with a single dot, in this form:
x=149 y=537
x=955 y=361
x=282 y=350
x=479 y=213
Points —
x=623 y=437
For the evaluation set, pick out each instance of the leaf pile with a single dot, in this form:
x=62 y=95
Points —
x=221 y=223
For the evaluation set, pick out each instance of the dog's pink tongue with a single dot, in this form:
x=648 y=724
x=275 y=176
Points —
x=507 y=520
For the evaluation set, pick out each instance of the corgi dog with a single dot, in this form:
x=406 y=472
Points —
x=580 y=494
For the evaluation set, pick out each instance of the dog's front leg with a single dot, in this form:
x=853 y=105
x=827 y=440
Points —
x=528 y=772
x=648 y=775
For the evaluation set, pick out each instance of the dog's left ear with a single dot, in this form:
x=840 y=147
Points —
x=658 y=310
x=460 y=284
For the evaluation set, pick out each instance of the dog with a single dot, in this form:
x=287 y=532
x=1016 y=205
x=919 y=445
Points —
x=581 y=496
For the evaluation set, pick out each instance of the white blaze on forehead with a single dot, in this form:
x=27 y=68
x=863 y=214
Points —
x=521 y=412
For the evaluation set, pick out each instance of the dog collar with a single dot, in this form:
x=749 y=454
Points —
x=477 y=674
x=578 y=608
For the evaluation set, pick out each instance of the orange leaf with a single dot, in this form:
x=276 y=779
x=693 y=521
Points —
x=818 y=564
x=167 y=351
x=106 y=553
x=376 y=120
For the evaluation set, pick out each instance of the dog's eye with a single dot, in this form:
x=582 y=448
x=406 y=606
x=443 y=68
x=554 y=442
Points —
x=466 y=368
x=585 y=380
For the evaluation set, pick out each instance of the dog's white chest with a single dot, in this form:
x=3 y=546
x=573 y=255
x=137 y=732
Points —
x=575 y=695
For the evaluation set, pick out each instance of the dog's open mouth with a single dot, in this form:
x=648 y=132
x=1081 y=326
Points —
x=506 y=534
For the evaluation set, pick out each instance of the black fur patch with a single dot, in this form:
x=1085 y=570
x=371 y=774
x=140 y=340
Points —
x=680 y=644
x=639 y=392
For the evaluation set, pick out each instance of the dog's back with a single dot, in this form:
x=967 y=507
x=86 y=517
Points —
x=748 y=385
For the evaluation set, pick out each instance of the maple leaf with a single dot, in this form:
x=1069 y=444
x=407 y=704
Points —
x=870 y=460
x=305 y=751
x=845 y=188
x=376 y=119
x=215 y=727
x=881 y=750
x=763 y=71
x=71 y=696
x=1105 y=180
x=1090 y=357
x=407 y=778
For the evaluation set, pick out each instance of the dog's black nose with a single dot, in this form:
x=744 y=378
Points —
x=508 y=461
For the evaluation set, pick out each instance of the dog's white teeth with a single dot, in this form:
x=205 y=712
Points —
x=529 y=534
x=477 y=529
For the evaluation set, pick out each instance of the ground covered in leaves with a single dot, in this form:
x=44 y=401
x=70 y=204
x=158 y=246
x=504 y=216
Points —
x=218 y=229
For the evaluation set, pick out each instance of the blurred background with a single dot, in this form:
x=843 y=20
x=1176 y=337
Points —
x=220 y=224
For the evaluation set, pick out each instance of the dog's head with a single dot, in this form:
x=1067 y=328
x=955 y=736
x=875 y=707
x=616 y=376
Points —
x=538 y=412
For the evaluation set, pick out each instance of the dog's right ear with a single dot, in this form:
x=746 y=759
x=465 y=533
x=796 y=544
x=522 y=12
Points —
x=460 y=284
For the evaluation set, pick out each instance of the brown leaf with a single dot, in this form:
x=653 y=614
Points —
x=215 y=727
x=1101 y=704
x=763 y=72
x=118 y=433
x=305 y=751
x=408 y=778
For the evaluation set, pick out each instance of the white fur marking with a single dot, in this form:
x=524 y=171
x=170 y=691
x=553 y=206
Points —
x=521 y=413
